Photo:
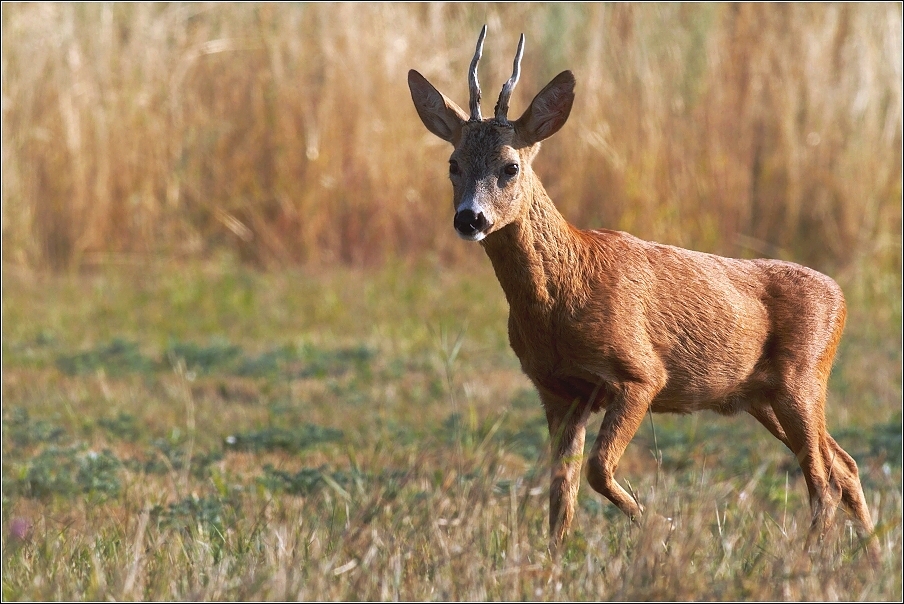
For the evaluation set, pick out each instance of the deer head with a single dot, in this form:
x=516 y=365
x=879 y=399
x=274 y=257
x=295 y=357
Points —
x=490 y=167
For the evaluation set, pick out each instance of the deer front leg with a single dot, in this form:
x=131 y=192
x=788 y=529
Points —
x=623 y=417
x=567 y=427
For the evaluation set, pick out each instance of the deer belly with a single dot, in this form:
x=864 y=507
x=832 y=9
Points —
x=711 y=376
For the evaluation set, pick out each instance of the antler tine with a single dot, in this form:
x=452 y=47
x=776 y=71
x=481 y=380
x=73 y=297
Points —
x=503 y=105
x=473 y=84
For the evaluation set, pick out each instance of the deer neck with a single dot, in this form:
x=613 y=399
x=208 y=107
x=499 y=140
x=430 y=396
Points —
x=534 y=255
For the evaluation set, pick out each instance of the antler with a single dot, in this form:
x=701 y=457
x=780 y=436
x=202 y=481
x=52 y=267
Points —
x=503 y=105
x=473 y=84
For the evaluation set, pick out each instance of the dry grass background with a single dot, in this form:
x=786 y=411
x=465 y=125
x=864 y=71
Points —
x=285 y=134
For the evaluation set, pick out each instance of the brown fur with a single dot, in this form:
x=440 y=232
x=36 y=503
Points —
x=602 y=320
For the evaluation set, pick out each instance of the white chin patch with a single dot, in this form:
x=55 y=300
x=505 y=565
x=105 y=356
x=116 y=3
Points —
x=475 y=237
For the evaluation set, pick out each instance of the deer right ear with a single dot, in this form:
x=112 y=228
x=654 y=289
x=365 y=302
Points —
x=548 y=111
x=440 y=115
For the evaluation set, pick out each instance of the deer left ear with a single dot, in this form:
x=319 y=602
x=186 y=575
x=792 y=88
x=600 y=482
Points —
x=549 y=110
x=440 y=114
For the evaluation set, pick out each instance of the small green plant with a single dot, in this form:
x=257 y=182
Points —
x=880 y=442
x=321 y=363
x=20 y=430
x=170 y=454
x=305 y=482
x=218 y=355
x=115 y=357
x=529 y=440
x=291 y=440
x=274 y=362
x=196 y=515
x=885 y=440
x=67 y=471
x=124 y=426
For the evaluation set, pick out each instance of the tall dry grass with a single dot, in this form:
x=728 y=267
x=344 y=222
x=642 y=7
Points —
x=285 y=134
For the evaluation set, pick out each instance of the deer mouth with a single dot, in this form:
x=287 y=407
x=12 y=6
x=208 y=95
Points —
x=471 y=225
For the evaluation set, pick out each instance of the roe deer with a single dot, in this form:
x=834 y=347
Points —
x=602 y=320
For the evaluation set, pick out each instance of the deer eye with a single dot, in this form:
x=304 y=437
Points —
x=511 y=169
x=453 y=167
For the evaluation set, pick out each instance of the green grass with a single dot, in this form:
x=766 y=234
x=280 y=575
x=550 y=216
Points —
x=210 y=432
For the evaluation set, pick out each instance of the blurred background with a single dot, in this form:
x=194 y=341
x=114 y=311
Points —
x=285 y=135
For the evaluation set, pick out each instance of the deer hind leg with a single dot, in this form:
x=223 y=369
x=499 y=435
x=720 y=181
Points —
x=844 y=472
x=805 y=443
x=567 y=428
x=841 y=474
x=805 y=432
x=802 y=420
x=623 y=417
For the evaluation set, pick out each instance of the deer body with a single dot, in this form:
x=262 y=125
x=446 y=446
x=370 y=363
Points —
x=602 y=320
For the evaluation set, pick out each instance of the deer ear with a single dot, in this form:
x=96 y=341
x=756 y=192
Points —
x=441 y=115
x=548 y=111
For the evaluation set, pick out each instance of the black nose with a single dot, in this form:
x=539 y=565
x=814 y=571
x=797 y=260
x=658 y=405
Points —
x=469 y=222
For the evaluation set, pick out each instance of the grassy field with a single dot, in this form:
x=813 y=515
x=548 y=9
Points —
x=204 y=431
